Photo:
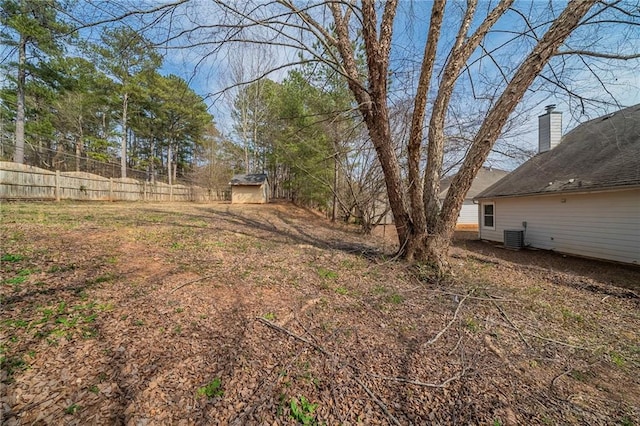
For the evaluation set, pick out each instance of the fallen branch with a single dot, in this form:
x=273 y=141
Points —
x=455 y=316
x=504 y=315
x=537 y=336
x=455 y=347
x=295 y=336
x=266 y=392
x=190 y=282
x=381 y=404
x=419 y=383
x=487 y=299
x=362 y=371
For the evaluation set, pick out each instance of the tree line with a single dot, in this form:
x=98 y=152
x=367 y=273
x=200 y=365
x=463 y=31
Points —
x=104 y=101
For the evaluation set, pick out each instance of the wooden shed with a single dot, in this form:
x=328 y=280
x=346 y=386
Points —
x=249 y=189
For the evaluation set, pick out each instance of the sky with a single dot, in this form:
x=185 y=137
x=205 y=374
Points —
x=210 y=76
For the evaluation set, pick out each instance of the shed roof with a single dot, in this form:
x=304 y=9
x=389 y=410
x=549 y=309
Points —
x=486 y=177
x=256 y=179
x=601 y=154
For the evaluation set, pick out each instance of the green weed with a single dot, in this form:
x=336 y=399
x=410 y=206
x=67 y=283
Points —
x=342 y=290
x=8 y=257
x=380 y=289
x=472 y=325
x=578 y=375
x=212 y=389
x=101 y=279
x=11 y=365
x=327 y=274
x=269 y=316
x=16 y=280
x=72 y=409
x=396 y=299
x=569 y=316
x=303 y=413
x=617 y=359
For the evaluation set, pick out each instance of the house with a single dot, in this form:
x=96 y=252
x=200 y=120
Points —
x=468 y=218
x=249 y=189
x=579 y=195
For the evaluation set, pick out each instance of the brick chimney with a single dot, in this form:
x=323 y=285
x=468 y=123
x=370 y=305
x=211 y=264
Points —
x=549 y=129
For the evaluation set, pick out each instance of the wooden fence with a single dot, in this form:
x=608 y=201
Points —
x=21 y=182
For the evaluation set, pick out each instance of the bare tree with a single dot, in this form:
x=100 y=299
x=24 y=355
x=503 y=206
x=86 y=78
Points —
x=247 y=67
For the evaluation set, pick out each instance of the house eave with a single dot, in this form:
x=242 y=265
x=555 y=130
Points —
x=576 y=191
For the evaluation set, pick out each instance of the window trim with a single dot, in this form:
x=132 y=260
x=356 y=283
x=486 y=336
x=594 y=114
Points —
x=484 y=215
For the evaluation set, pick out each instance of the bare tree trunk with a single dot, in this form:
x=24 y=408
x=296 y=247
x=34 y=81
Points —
x=169 y=168
x=79 y=144
x=18 y=156
x=417 y=120
x=123 y=146
x=438 y=244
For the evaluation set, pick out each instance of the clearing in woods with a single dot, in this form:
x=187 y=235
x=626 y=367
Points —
x=223 y=314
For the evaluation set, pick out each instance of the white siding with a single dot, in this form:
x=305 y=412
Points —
x=601 y=225
x=549 y=131
x=468 y=215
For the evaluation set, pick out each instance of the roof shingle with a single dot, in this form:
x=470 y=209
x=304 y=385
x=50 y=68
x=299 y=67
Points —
x=250 y=179
x=603 y=153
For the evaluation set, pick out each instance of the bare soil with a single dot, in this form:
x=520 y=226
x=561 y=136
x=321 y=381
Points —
x=131 y=313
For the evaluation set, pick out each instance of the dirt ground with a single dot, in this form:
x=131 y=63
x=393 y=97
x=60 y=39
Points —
x=131 y=313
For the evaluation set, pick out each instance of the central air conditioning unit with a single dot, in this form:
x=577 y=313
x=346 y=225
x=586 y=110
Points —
x=514 y=239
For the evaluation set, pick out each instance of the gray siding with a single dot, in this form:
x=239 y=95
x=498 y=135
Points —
x=602 y=225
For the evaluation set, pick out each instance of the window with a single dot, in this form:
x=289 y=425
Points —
x=488 y=215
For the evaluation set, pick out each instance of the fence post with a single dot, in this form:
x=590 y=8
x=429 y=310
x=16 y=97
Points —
x=110 y=189
x=57 y=185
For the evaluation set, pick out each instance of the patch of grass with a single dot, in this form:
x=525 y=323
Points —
x=269 y=316
x=12 y=365
x=379 y=289
x=534 y=290
x=303 y=411
x=472 y=325
x=72 y=409
x=342 y=290
x=212 y=389
x=16 y=280
x=327 y=274
x=395 y=298
x=61 y=268
x=627 y=421
x=578 y=375
x=9 y=257
x=94 y=389
x=138 y=323
x=102 y=279
x=569 y=316
x=617 y=359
